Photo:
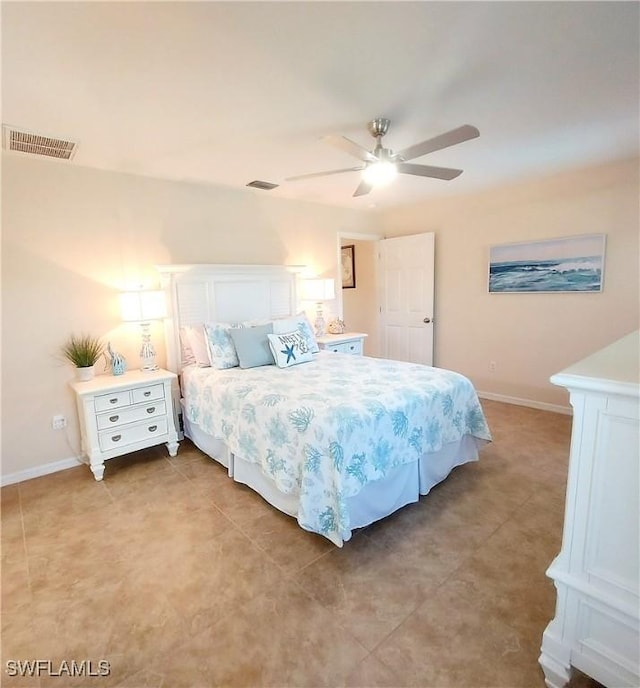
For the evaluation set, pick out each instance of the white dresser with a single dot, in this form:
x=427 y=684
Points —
x=347 y=343
x=121 y=414
x=596 y=574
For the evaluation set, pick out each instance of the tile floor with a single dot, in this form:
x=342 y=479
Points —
x=179 y=577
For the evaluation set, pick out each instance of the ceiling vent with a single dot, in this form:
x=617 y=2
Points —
x=265 y=186
x=27 y=142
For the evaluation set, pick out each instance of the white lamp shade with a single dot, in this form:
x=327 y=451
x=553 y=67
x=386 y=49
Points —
x=318 y=290
x=142 y=306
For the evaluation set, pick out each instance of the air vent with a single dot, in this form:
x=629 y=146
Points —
x=36 y=144
x=265 y=186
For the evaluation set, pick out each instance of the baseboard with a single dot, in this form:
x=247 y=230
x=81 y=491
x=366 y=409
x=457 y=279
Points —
x=541 y=405
x=38 y=471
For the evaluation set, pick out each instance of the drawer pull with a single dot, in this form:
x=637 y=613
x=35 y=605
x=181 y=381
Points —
x=352 y=347
x=114 y=400
x=153 y=428
x=147 y=393
x=151 y=409
x=113 y=419
x=116 y=438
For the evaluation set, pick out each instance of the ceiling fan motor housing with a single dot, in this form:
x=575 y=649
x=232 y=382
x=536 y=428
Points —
x=383 y=155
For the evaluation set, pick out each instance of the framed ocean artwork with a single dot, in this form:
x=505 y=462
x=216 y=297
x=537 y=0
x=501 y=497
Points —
x=567 y=264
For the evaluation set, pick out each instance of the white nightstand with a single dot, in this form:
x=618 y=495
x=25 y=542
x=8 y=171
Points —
x=123 y=413
x=347 y=343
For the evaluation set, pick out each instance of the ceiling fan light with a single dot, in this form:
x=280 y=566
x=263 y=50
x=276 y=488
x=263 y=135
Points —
x=380 y=173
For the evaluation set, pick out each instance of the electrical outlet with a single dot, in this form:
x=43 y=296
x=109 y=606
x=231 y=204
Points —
x=492 y=366
x=58 y=422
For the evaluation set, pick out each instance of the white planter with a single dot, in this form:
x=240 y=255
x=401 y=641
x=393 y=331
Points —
x=85 y=374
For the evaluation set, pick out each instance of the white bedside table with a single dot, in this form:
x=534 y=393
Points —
x=123 y=413
x=347 y=343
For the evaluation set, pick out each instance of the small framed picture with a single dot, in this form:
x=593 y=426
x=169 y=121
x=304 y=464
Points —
x=348 y=267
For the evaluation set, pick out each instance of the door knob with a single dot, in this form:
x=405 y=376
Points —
x=426 y=321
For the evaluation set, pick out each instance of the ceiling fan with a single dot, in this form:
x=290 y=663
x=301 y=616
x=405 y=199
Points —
x=381 y=164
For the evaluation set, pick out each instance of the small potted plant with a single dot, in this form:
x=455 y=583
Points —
x=83 y=351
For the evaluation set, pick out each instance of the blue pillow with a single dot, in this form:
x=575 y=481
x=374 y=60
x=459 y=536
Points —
x=252 y=345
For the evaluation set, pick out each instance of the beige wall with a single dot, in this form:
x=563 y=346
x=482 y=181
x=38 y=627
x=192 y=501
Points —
x=359 y=305
x=529 y=336
x=73 y=237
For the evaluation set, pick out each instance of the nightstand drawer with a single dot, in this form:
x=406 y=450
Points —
x=149 y=393
x=104 y=402
x=351 y=343
x=119 y=437
x=131 y=415
x=354 y=348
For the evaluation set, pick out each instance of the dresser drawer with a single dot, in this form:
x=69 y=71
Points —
x=104 y=402
x=131 y=415
x=149 y=393
x=119 y=437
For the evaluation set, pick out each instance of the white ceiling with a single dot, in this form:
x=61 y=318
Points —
x=228 y=92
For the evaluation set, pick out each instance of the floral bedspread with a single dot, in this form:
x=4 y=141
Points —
x=324 y=429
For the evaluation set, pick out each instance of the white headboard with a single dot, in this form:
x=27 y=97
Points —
x=224 y=293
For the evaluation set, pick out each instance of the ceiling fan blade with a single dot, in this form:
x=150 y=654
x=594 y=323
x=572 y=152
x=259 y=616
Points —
x=363 y=188
x=350 y=147
x=322 y=174
x=428 y=171
x=450 y=138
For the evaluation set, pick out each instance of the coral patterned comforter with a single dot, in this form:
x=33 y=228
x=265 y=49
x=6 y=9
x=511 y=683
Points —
x=324 y=429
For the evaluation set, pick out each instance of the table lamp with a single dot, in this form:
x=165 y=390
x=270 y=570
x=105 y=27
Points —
x=144 y=306
x=318 y=290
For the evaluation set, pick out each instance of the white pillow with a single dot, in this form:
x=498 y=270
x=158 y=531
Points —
x=196 y=339
x=289 y=348
x=301 y=323
x=187 y=356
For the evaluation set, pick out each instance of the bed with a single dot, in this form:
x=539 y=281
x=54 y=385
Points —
x=336 y=441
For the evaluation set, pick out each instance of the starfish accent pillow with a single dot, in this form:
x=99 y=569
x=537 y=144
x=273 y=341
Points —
x=289 y=348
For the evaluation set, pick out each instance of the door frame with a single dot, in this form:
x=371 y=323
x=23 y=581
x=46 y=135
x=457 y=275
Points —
x=358 y=236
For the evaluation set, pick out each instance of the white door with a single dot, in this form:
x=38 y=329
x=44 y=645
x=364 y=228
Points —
x=406 y=286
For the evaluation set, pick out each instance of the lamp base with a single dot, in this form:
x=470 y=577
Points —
x=147 y=352
x=319 y=323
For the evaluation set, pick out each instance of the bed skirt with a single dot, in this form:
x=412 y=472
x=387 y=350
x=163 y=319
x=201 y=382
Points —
x=377 y=499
